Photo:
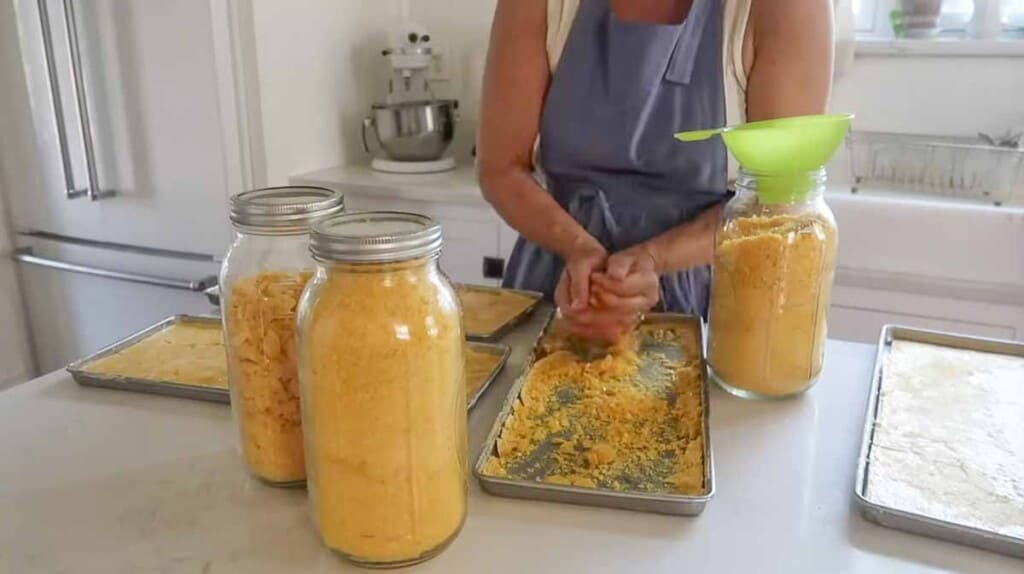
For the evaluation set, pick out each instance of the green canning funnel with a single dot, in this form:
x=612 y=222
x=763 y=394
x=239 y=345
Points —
x=783 y=150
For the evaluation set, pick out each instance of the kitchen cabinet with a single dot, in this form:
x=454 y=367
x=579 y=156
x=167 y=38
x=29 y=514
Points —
x=860 y=314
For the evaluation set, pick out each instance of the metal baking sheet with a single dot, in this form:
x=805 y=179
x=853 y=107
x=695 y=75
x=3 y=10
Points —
x=910 y=521
x=168 y=388
x=502 y=352
x=213 y=296
x=512 y=321
x=660 y=503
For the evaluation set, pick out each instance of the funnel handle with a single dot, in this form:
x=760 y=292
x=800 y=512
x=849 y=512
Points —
x=698 y=135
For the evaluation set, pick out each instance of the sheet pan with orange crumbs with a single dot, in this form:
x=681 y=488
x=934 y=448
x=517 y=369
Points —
x=629 y=419
x=181 y=356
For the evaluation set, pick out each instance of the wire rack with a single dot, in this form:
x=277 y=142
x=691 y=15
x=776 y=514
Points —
x=960 y=167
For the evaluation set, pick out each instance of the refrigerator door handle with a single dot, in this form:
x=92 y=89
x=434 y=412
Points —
x=25 y=255
x=93 y=190
x=52 y=83
x=82 y=105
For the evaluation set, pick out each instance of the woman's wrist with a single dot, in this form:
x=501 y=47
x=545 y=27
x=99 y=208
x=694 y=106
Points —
x=689 y=245
x=652 y=250
x=578 y=243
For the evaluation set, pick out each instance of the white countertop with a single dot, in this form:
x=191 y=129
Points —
x=456 y=186
x=103 y=481
x=461 y=185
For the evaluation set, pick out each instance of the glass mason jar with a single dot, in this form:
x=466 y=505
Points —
x=261 y=280
x=383 y=390
x=775 y=257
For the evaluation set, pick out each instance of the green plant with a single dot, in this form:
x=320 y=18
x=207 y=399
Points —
x=896 y=20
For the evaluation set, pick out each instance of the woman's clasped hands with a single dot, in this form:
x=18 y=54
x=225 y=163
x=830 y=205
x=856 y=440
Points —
x=601 y=297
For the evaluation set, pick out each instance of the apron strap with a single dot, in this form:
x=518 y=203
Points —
x=680 y=66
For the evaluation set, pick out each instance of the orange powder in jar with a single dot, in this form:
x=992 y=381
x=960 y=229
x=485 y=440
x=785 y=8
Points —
x=769 y=302
x=260 y=330
x=384 y=408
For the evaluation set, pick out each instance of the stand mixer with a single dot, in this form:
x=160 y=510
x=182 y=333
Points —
x=413 y=128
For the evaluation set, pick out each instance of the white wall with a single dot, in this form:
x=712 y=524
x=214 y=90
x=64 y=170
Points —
x=319 y=70
x=934 y=95
x=462 y=29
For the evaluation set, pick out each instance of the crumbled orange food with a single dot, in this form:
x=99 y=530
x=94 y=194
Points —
x=629 y=421
x=479 y=366
x=260 y=325
x=185 y=353
x=484 y=311
x=384 y=406
x=769 y=301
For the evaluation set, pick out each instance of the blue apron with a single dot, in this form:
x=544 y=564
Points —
x=620 y=91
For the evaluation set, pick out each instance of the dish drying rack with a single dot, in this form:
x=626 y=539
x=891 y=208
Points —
x=960 y=167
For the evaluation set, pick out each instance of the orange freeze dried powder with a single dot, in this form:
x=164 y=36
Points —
x=260 y=327
x=630 y=420
x=769 y=302
x=384 y=397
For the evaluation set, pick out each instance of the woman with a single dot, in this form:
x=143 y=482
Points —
x=626 y=217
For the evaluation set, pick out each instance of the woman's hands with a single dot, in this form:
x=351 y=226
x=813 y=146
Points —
x=629 y=284
x=600 y=297
x=572 y=294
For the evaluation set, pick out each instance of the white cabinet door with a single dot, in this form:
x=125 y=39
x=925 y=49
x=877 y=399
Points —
x=865 y=325
x=858 y=314
x=470 y=234
x=151 y=85
x=466 y=245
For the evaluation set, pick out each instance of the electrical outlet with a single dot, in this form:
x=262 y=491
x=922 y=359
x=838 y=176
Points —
x=494 y=268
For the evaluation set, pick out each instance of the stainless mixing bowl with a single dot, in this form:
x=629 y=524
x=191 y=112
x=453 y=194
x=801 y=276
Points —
x=413 y=131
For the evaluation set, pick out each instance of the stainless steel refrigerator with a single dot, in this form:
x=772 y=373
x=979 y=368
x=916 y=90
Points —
x=115 y=169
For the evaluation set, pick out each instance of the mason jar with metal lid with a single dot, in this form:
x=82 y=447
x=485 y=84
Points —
x=262 y=277
x=382 y=379
x=775 y=258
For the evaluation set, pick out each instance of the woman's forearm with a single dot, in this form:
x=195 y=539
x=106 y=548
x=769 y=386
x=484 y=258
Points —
x=686 y=245
x=531 y=211
x=515 y=84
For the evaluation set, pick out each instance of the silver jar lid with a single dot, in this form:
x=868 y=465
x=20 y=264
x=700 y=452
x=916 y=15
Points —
x=283 y=210
x=375 y=237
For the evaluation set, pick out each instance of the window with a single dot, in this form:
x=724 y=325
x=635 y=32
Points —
x=871 y=17
x=864 y=14
x=1013 y=14
x=956 y=14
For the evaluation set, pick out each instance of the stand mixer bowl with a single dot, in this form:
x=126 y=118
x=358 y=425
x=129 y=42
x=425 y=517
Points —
x=412 y=131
